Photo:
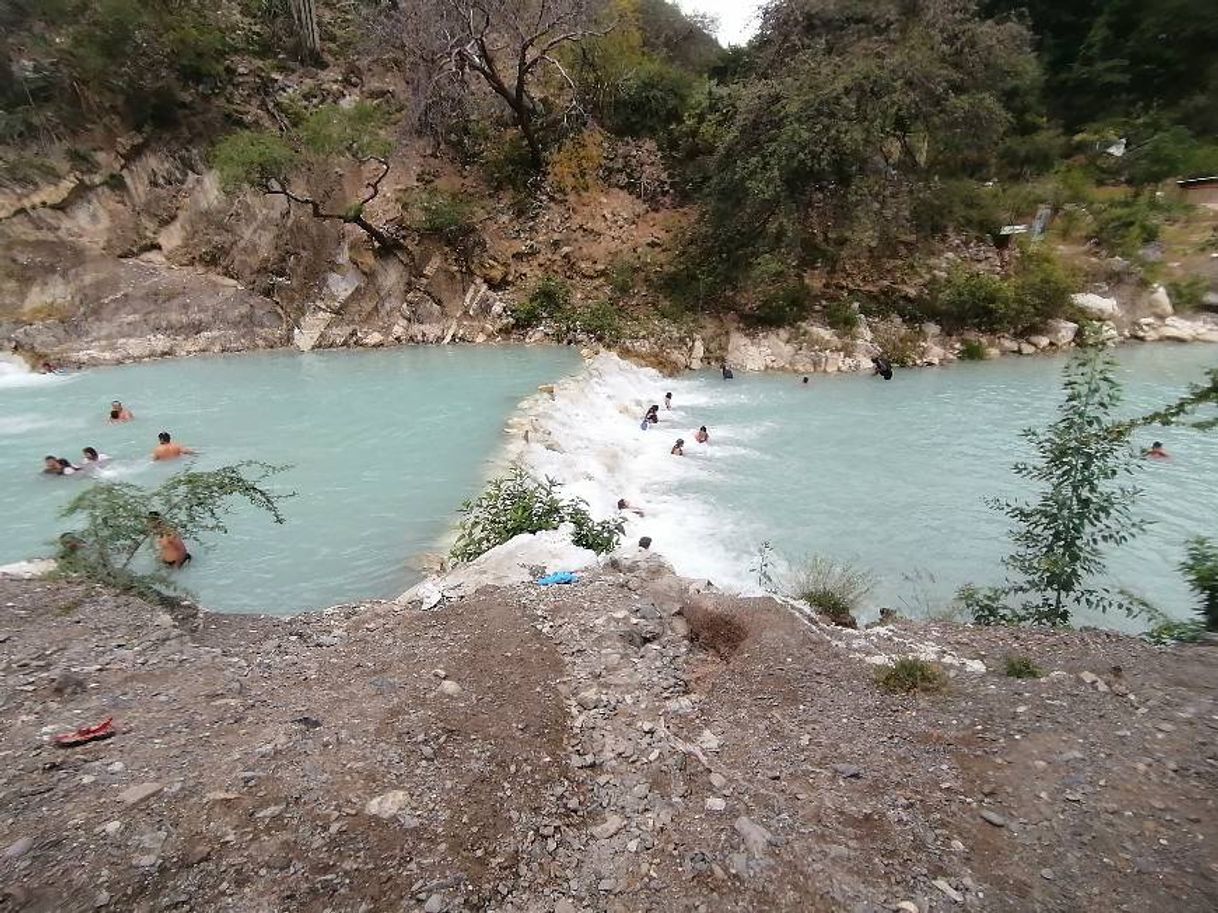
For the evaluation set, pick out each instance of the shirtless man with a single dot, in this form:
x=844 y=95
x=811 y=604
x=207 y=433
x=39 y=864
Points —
x=167 y=450
x=119 y=412
x=1156 y=452
x=169 y=545
x=702 y=436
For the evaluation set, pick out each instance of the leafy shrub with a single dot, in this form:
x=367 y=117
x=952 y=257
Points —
x=1188 y=294
x=1200 y=568
x=970 y=299
x=517 y=503
x=1124 y=226
x=1022 y=667
x=508 y=164
x=781 y=295
x=652 y=98
x=549 y=300
x=909 y=675
x=842 y=316
x=575 y=166
x=449 y=216
x=602 y=321
x=1042 y=285
x=973 y=350
x=901 y=345
x=834 y=589
x=623 y=274
x=956 y=205
x=252 y=157
x=1175 y=632
x=335 y=130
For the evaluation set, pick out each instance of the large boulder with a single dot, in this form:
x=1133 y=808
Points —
x=1096 y=305
x=1158 y=302
x=1060 y=332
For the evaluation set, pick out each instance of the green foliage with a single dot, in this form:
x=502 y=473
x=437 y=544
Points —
x=900 y=344
x=1126 y=224
x=1039 y=289
x=842 y=316
x=781 y=296
x=447 y=215
x=1175 y=632
x=1187 y=293
x=910 y=675
x=1022 y=667
x=549 y=300
x=834 y=589
x=508 y=164
x=973 y=350
x=651 y=99
x=116 y=528
x=333 y=130
x=253 y=157
x=517 y=503
x=1082 y=508
x=623 y=274
x=1200 y=568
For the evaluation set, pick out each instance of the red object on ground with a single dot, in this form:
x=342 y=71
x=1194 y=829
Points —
x=85 y=734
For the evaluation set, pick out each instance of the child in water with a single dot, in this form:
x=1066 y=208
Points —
x=1156 y=452
x=702 y=436
x=678 y=449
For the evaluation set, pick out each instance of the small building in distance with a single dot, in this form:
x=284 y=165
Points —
x=1200 y=191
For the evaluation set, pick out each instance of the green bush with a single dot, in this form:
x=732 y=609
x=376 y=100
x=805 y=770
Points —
x=1200 y=568
x=623 y=274
x=973 y=350
x=1022 y=667
x=1124 y=226
x=782 y=298
x=517 y=503
x=1042 y=285
x=834 y=589
x=901 y=345
x=842 y=316
x=958 y=204
x=1188 y=294
x=1039 y=289
x=652 y=99
x=447 y=215
x=909 y=675
x=252 y=157
x=550 y=300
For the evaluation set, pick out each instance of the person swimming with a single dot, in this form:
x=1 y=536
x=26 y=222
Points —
x=167 y=450
x=727 y=372
x=678 y=449
x=805 y=381
x=702 y=436
x=624 y=505
x=93 y=458
x=119 y=412
x=1156 y=452
x=650 y=417
x=57 y=466
x=881 y=367
x=170 y=548
x=667 y=400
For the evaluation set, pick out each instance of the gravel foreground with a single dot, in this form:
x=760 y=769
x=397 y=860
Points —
x=630 y=743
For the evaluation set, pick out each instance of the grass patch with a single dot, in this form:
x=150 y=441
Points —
x=834 y=589
x=909 y=675
x=973 y=350
x=1022 y=667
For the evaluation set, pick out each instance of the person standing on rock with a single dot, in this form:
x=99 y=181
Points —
x=167 y=449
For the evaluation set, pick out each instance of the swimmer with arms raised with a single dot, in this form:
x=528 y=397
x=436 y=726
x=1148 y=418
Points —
x=167 y=449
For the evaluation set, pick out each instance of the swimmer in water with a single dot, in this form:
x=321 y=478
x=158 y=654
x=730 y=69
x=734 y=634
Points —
x=805 y=381
x=93 y=458
x=1156 y=452
x=624 y=505
x=678 y=449
x=119 y=412
x=881 y=367
x=667 y=400
x=727 y=372
x=653 y=415
x=702 y=436
x=170 y=548
x=54 y=466
x=167 y=450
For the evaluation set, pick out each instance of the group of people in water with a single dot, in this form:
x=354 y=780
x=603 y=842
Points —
x=171 y=549
x=652 y=417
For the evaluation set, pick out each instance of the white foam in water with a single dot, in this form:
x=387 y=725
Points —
x=15 y=373
x=587 y=436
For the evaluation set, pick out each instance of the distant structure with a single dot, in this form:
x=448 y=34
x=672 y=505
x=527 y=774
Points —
x=1201 y=191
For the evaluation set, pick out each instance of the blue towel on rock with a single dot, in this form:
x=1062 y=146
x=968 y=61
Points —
x=560 y=577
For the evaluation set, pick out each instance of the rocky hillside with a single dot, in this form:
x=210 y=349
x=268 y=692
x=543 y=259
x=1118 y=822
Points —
x=633 y=742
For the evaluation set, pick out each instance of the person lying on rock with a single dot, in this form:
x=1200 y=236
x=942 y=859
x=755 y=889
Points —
x=167 y=449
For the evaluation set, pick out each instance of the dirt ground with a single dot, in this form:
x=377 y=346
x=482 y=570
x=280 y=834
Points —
x=629 y=743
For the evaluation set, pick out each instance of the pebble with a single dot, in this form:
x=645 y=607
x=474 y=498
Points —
x=907 y=906
x=138 y=793
x=116 y=768
x=565 y=906
x=102 y=899
x=947 y=889
x=608 y=827
x=756 y=837
x=1046 y=874
x=848 y=771
x=718 y=781
x=449 y=687
x=112 y=827
x=993 y=818
x=589 y=699
x=387 y=805
x=435 y=903
x=18 y=847
x=716 y=804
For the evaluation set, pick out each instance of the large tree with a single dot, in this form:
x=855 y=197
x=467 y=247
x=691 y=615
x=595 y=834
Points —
x=507 y=46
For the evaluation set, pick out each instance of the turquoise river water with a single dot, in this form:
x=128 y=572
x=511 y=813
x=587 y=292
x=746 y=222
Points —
x=384 y=445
